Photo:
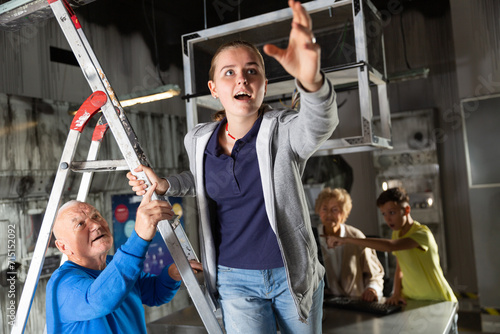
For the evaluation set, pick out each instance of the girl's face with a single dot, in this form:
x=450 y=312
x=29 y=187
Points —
x=331 y=214
x=239 y=81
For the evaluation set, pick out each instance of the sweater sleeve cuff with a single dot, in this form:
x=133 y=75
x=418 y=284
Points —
x=173 y=183
x=135 y=245
x=318 y=96
x=165 y=277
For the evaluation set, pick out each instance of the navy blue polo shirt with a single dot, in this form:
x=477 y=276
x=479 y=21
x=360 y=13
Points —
x=243 y=235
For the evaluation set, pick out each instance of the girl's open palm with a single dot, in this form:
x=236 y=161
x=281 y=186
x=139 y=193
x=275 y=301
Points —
x=301 y=58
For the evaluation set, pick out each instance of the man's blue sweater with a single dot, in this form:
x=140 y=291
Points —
x=82 y=300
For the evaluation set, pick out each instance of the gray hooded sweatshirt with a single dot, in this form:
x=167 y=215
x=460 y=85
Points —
x=286 y=139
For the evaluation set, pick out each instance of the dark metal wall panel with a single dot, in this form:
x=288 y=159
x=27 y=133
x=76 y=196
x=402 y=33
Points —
x=476 y=30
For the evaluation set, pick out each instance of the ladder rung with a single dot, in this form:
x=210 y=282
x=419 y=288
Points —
x=99 y=166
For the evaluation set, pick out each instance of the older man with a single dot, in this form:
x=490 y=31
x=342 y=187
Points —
x=96 y=293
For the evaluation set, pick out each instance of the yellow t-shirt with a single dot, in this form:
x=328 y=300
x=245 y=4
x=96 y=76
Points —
x=422 y=274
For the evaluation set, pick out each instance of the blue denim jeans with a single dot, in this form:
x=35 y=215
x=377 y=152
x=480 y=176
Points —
x=255 y=301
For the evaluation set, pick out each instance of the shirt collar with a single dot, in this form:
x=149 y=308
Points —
x=213 y=146
x=342 y=230
x=253 y=131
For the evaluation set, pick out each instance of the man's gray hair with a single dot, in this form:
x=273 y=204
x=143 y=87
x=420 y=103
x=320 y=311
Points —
x=63 y=208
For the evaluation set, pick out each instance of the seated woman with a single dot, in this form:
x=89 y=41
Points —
x=351 y=270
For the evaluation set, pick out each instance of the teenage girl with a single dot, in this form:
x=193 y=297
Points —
x=257 y=247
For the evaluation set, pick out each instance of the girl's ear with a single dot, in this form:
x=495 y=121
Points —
x=407 y=209
x=213 y=91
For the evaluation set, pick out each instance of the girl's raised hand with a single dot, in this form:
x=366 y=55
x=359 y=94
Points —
x=301 y=58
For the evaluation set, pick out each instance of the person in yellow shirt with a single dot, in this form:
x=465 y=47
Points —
x=418 y=272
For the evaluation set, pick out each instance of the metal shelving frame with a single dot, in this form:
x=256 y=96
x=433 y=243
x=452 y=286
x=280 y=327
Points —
x=358 y=73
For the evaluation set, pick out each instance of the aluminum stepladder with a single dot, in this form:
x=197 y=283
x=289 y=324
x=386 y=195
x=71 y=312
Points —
x=104 y=98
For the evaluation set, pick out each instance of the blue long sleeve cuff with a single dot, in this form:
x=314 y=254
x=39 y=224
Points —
x=135 y=246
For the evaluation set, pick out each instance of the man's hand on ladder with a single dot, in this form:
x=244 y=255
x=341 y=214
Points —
x=173 y=271
x=149 y=213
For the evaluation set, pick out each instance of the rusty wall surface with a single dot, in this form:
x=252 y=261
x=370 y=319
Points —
x=33 y=132
x=27 y=69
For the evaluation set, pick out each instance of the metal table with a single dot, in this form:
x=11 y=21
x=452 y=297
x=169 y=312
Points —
x=417 y=317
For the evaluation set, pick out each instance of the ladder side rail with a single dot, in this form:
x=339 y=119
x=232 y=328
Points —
x=41 y=246
x=90 y=65
x=184 y=241
x=83 y=191
x=200 y=300
x=86 y=181
x=94 y=74
x=99 y=132
x=86 y=111
x=118 y=108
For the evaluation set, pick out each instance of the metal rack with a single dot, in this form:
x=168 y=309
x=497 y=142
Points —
x=351 y=59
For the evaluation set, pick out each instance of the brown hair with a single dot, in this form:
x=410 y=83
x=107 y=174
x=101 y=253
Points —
x=219 y=115
x=340 y=195
x=397 y=195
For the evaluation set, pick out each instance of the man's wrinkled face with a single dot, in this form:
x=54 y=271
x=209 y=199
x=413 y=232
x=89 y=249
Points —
x=84 y=232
